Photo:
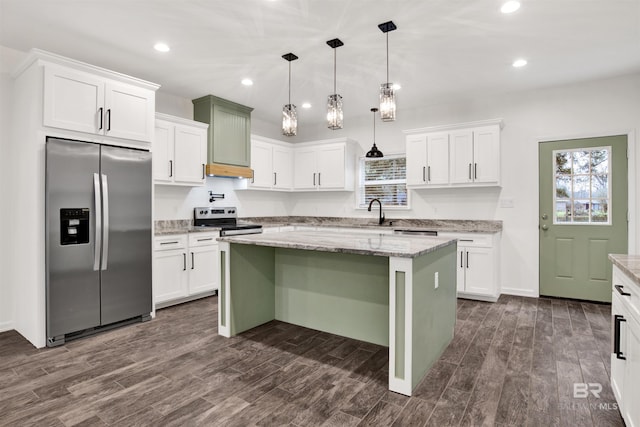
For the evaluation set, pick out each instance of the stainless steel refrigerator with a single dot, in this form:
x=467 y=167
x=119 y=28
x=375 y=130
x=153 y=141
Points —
x=98 y=225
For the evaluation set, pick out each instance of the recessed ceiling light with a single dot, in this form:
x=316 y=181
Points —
x=396 y=86
x=519 y=63
x=510 y=6
x=306 y=105
x=162 y=47
x=247 y=82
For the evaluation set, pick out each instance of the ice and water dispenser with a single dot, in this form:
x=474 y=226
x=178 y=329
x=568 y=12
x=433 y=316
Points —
x=74 y=226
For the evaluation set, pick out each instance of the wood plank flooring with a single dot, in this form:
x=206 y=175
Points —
x=511 y=363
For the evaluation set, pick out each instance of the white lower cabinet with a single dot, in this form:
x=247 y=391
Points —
x=185 y=267
x=477 y=265
x=625 y=355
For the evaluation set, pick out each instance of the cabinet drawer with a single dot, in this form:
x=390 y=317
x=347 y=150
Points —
x=627 y=286
x=471 y=239
x=203 y=239
x=173 y=241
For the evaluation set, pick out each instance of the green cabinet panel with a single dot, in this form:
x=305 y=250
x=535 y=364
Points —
x=229 y=134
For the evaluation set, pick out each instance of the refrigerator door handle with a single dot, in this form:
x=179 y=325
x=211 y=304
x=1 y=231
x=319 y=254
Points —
x=98 y=216
x=105 y=222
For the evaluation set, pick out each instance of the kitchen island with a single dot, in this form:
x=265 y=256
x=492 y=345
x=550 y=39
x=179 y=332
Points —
x=392 y=290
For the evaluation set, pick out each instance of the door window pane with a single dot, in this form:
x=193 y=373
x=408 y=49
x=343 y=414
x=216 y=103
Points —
x=582 y=191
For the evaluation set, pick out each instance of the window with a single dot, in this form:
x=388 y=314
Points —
x=582 y=190
x=384 y=179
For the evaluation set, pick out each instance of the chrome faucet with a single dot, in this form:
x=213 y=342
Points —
x=381 y=220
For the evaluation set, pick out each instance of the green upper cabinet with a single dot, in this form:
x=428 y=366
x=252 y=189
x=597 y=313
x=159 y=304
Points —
x=229 y=135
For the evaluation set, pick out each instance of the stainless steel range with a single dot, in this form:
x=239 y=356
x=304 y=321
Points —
x=224 y=218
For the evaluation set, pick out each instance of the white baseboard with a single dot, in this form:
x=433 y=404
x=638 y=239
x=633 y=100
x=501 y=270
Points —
x=6 y=326
x=521 y=292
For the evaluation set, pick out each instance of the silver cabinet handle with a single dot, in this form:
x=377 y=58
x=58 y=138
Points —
x=423 y=174
x=275 y=178
x=100 y=110
x=319 y=184
x=314 y=179
x=170 y=168
x=475 y=171
x=461 y=254
x=97 y=202
x=105 y=222
x=109 y=119
x=204 y=240
x=203 y=167
x=467 y=259
x=545 y=227
x=469 y=170
x=429 y=173
x=193 y=263
x=169 y=243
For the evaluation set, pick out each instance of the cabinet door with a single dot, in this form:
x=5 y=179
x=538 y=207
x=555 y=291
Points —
x=304 y=167
x=189 y=154
x=460 y=269
x=416 y=146
x=73 y=100
x=282 y=165
x=486 y=154
x=479 y=274
x=262 y=164
x=203 y=267
x=331 y=167
x=631 y=393
x=129 y=112
x=163 y=164
x=438 y=158
x=169 y=275
x=618 y=365
x=461 y=160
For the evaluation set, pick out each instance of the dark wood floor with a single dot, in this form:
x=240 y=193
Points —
x=513 y=362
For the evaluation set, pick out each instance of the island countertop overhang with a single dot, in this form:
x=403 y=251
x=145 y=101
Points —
x=374 y=244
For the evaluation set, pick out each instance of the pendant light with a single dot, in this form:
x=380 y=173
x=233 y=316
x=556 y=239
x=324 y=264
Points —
x=374 y=152
x=334 y=101
x=289 y=113
x=387 y=95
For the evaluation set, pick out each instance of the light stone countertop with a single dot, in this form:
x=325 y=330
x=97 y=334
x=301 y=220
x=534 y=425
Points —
x=629 y=264
x=387 y=245
x=183 y=230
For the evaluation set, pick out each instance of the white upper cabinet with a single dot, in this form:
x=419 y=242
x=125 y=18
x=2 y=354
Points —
x=427 y=159
x=465 y=155
x=311 y=166
x=272 y=164
x=179 y=151
x=325 y=165
x=83 y=102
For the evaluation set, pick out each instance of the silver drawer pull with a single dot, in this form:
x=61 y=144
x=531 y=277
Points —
x=465 y=240
x=203 y=240
x=168 y=243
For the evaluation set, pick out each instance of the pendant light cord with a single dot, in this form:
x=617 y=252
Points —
x=290 y=84
x=334 y=71
x=387 y=57
x=374 y=128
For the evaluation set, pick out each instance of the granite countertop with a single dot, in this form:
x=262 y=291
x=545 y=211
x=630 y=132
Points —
x=387 y=245
x=183 y=230
x=629 y=264
x=442 y=225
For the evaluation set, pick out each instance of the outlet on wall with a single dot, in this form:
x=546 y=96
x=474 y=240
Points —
x=435 y=280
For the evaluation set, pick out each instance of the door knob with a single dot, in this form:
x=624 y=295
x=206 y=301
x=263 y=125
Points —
x=545 y=227
x=544 y=216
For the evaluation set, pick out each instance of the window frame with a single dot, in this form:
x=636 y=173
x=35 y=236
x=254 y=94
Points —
x=572 y=199
x=360 y=184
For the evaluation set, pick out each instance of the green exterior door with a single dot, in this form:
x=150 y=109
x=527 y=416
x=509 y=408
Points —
x=583 y=215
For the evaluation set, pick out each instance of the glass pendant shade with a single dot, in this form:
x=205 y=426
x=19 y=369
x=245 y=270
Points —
x=289 y=120
x=387 y=102
x=334 y=111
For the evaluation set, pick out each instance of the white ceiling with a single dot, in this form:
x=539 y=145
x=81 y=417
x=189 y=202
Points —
x=442 y=51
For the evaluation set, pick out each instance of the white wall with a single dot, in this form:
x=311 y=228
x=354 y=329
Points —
x=609 y=106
